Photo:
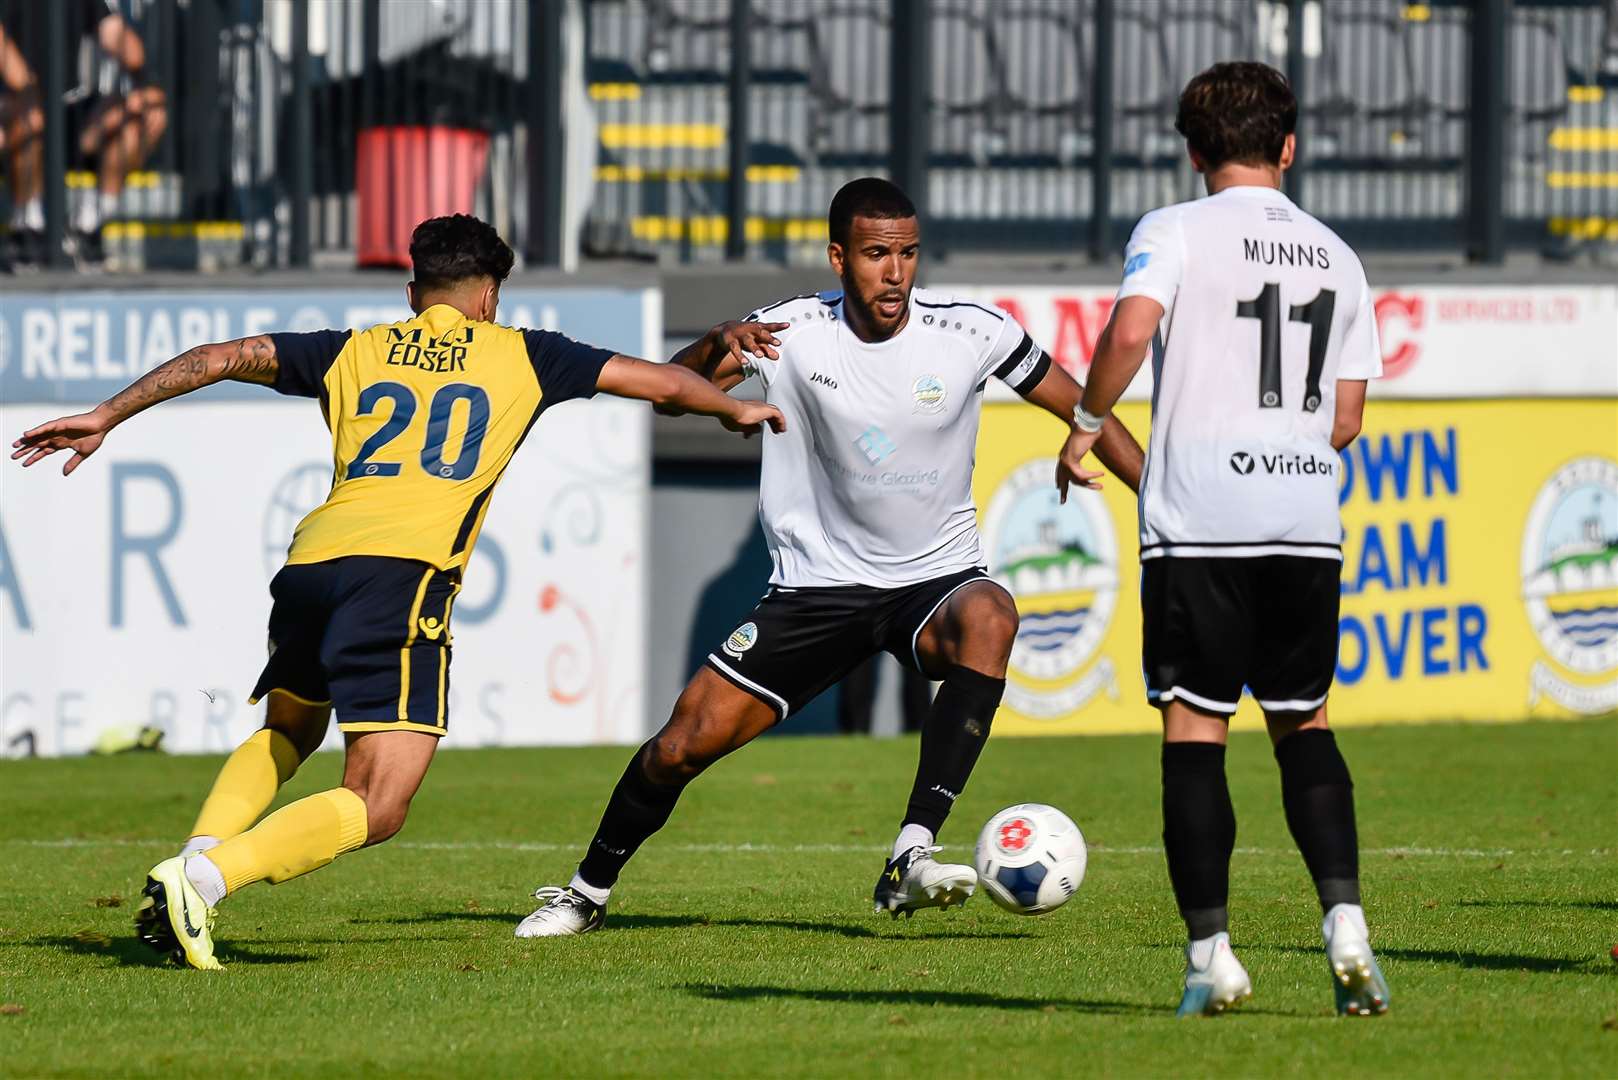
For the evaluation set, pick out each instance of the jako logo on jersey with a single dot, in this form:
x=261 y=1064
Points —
x=1060 y=562
x=929 y=394
x=1242 y=462
x=824 y=380
x=1136 y=262
x=1013 y=836
x=1570 y=584
x=741 y=639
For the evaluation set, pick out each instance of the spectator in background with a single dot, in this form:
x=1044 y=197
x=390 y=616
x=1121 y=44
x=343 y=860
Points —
x=116 y=131
x=1608 y=74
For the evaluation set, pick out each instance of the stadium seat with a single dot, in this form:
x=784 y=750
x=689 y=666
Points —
x=1371 y=87
x=850 y=82
x=1143 y=100
x=1047 y=71
x=964 y=94
x=1536 y=86
x=1440 y=52
x=1140 y=67
x=1200 y=33
x=779 y=13
x=617 y=40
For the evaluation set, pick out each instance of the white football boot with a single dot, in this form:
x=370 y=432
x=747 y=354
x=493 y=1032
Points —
x=1214 y=979
x=914 y=880
x=564 y=913
x=1361 y=990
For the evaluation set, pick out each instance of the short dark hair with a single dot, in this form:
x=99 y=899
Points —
x=870 y=197
x=1240 y=111
x=446 y=250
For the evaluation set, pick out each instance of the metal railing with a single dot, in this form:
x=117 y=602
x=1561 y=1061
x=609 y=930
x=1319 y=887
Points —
x=308 y=131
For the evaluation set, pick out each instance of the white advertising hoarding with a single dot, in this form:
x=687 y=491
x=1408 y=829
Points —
x=1438 y=341
x=136 y=590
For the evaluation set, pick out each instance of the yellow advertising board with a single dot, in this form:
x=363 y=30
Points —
x=1480 y=568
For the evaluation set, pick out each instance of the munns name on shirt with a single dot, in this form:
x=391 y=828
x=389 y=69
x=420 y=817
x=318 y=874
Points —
x=1281 y=253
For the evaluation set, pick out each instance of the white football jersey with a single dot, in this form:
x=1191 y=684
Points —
x=871 y=484
x=1264 y=310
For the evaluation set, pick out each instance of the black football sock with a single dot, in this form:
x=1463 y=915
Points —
x=957 y=727
x=1199 y=833
x=1319 y=798
x=637 y=809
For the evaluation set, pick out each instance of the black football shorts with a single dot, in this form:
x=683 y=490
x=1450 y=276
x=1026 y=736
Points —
x=797 y=642
x=1214 y=626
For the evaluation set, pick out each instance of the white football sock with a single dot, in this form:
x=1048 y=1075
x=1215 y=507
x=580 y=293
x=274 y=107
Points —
x=589 y=891
x=197 y=845
x=910 y=836
x=87 y=215
x=206 y=877
x=1352 y=913
x=1201 y=951
x=29 y=215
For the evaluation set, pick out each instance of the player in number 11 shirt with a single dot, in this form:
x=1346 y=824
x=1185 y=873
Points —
x=1262 y=336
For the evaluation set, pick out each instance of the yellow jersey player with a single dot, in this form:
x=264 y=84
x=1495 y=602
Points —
x=425 y=415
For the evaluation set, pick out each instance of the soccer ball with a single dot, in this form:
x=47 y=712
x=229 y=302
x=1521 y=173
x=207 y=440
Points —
x=1031 y=858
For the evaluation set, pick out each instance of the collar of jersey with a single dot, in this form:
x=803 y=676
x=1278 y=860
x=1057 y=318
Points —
x=886 y=343
x=439 y=316
x=1263 y=191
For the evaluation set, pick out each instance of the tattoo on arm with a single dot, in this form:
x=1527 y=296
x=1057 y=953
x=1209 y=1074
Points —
x=244 y=360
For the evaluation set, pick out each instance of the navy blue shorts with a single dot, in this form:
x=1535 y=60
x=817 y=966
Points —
x=367 y=635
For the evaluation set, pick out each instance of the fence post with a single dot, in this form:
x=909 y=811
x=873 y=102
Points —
x=1101 y=127
x=1486 y=138
x=911 y=65
x=741 y=132
x=299 y=145
x=1297 y=76
x=544 y=119
x=55 y=85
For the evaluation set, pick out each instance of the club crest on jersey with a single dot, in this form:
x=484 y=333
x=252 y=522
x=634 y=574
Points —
x=1570 y=586
x=741 y=639
x=929 y=394
x=1060 y=562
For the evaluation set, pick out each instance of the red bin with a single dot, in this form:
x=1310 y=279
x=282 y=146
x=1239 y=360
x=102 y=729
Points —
x=406 y=174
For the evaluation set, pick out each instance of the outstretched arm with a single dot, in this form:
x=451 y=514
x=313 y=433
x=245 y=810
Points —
x=720 y=355
x=1057 y=393
x=674 y=389
x=244 y=360
x=1119 y=354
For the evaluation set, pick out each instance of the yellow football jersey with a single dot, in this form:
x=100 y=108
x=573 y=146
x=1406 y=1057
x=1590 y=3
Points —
x=424 y=415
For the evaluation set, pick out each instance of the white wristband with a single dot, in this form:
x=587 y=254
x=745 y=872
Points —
x=1085 y=422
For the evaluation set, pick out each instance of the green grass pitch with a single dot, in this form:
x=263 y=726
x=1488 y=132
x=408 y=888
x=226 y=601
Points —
x=741 y=941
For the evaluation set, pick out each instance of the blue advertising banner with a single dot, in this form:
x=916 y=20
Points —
x=82 y=347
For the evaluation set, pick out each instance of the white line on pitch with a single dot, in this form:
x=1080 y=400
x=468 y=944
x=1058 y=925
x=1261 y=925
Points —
x=839 y=849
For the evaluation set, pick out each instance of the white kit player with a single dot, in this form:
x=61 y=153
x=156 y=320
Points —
x=866 y=504
x=1262 y=335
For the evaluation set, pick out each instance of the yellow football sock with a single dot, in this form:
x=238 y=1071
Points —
x=300 y=837
x=247 y=784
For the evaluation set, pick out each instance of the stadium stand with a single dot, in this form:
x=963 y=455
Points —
x=1011 y=117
